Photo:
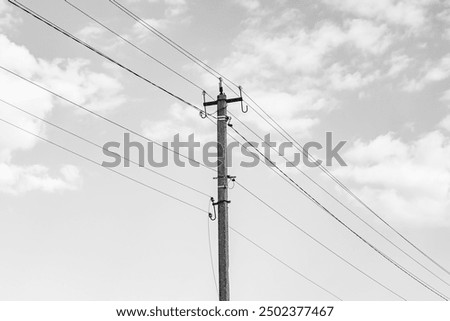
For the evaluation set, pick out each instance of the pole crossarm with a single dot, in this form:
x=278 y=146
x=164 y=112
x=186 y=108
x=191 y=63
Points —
x=222 y=187
x=229 y=101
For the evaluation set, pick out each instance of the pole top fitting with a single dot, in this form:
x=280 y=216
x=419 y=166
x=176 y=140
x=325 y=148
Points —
x=221 y=85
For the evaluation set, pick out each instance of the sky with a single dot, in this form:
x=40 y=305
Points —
x=374 y=73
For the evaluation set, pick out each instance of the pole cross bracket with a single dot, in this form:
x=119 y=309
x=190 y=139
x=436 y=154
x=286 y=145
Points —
x=229 y=101
x=233 y=178
x=240 y=99
x=220 y=202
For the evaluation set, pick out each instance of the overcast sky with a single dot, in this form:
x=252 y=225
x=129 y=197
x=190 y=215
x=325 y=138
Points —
x=375 y=73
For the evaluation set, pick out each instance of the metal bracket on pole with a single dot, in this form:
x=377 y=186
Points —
x=220 y=202
x=211 y=216
x=223 y=122
x=204 y=114
x=242 y=102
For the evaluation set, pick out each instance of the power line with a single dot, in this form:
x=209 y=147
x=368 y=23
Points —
x=146 y=53
x=217 y=74
x=104 y=118
x=102 y=148
x=199 y=62
x=345 y=206
x=285 y=264
x=107 y=168
x=317 y=241
x=63 y=31
x=210 y=247
x=166 y=39
x=74 y=38
x=86 y=45
x=161 y=192
x=300 y=148
x=210 y=70
x=317 y=203
x=292 y=183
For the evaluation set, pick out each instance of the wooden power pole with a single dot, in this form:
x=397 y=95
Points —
x=222 y=190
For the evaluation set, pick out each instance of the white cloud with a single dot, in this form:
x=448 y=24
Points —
x=250 y=5
x=71 y=174
x=95 y=34
x=403 y=180
x=29 y=98
x=291 y=110
x=445 y=123
x=398 y=63
x=70 y=78
x=175 y=8
x=444 y=16
x=293 y=69
x=17 y=57
x=174 y=13
x=380 y=149
x=267 y=63
x=408 y=13
x=342 y=79
x=367 y=36
x=91 y=31
x=17 y=180
x=179 y=121
x=262 y=53
x=142 y=32
x=7 y=20
x=431 y=72
x=266 y=53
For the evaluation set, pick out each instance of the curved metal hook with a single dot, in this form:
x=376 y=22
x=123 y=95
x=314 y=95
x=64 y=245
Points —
x=211 y=216
x=244 y=110
x=233 y=180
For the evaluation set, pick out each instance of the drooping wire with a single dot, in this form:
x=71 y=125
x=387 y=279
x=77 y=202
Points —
x=303 y=231
x=107 y=168
x=306 y=233
x=149 y=187
x=343 y=205
x=283 y=132
x=145 y=52
x=199 y=62
x=317 y=203
x=81 y=42
x=213 y=269
x=285 y=264
x=259 y=199
x=104 y=118
x=102 y=148
x=10 y=1
x=300 y=148
x=166 y=39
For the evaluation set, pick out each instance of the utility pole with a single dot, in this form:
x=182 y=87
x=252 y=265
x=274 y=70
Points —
x=222 y=189
x=222 y=196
